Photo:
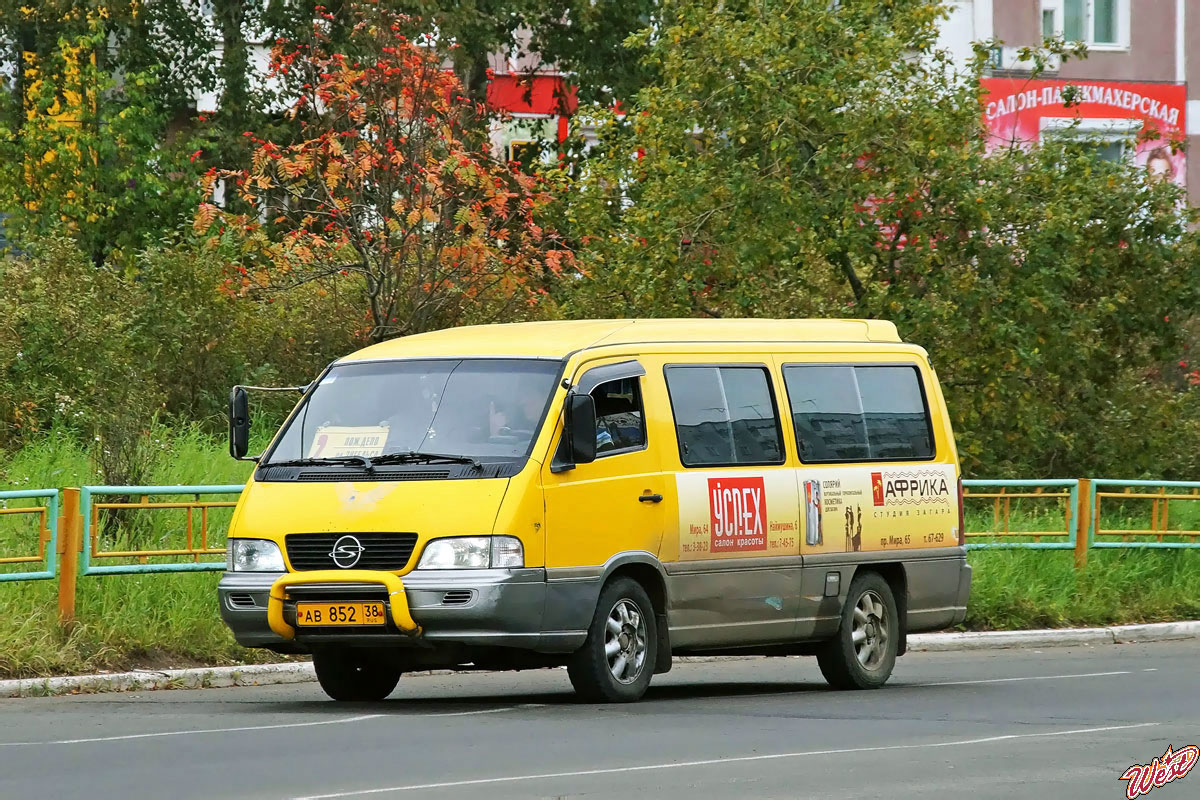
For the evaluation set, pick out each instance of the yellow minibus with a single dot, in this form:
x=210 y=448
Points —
x=603 y=495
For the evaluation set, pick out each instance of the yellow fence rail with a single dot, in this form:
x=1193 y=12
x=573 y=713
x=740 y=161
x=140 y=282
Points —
x=1160 y=495
x=1067 y=495
x=1001 y=502
x=193 y=549
x=81 y=524
x=73 y=545
x=46 y=513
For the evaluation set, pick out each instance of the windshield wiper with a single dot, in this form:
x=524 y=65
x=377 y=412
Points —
x=418 y=457
x=361 y=461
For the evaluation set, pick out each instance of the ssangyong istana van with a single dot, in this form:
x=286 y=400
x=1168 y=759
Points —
x=603 y=495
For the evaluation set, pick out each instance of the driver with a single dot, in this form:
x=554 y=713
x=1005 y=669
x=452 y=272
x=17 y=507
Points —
x=522 y=415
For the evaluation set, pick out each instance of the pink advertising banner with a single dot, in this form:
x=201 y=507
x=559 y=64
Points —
x=1110 y=112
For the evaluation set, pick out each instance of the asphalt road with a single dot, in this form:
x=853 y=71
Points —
x=1062 y=723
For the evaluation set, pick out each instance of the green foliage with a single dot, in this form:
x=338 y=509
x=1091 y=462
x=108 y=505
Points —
x=65 y=336
x=824 y=169
x=796 y=159
x=584 y=38
x=199 y=338
x=1049 y=312
x=750 y=186
x=88 y=351
x=84 y=153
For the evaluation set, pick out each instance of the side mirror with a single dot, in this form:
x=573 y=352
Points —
x=581 y=428
x=239 y=422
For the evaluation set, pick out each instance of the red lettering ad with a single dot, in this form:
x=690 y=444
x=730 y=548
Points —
x=738 y=514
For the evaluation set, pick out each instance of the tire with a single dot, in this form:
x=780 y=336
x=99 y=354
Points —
x=355 y=675
x=625 y=626
x=869 y=616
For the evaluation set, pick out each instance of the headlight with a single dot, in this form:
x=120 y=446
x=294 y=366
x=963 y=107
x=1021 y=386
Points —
x=473 y=552
x=254 y=555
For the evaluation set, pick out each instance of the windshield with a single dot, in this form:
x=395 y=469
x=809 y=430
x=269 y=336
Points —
x=480 y=408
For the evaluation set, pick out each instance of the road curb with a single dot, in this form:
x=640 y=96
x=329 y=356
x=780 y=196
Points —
x=302 y=671
x=147 y=680
x=998 y=640
x=1054 y=637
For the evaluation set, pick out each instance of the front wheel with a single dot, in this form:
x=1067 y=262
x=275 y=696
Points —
x=352 y=674
x=617 y=660
x=863 y=653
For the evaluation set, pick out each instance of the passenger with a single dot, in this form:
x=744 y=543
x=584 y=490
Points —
x=618 y=422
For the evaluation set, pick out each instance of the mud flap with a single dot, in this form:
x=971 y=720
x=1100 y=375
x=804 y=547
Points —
x=662 y=662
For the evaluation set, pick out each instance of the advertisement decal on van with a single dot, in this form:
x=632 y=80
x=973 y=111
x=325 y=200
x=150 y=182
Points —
x=738 y=514
x=730 y=515
x=885 y=509
x=916 y=486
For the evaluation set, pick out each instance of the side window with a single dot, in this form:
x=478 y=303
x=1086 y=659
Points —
x=827 y=413
x=724 y=416
x=859 y=413
x=619 y=422
x=894 y=412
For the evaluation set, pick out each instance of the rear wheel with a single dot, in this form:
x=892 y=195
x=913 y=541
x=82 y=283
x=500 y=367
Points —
x=617 y=660
x=355 y=674
x=863 y=653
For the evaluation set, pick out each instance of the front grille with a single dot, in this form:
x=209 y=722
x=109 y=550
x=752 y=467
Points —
x=384 y=551
x=457 y=597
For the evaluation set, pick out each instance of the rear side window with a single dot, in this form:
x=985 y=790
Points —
x=859 y=413
x=724 y=416
x=827 y=413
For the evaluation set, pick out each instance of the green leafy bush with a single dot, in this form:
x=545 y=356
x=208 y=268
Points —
x=819 y=169
x=67 y=351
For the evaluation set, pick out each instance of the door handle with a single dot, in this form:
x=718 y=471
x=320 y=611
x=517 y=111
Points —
x=650 y=498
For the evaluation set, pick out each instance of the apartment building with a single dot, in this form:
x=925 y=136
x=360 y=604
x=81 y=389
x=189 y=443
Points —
x=1136 y=81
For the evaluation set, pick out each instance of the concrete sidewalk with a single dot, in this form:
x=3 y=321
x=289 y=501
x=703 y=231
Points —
x=300 y=672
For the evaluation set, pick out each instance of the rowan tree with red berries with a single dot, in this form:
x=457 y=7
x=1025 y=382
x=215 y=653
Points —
x=391 y=189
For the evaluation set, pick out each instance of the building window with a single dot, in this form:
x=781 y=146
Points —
x=524 y=151
x=1104 y=22
x=1101 y=24
x=1106 y=138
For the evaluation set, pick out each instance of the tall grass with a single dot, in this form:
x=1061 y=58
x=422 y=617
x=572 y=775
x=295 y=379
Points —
x=123 y=620
x=1042 y=589
x=161 y=620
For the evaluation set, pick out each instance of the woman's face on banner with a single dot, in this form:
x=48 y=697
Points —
x=1160 y=166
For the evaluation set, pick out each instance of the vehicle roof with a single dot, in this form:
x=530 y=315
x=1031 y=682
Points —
x=557 y=339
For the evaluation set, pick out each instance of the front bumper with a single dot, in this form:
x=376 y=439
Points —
x=501 y=607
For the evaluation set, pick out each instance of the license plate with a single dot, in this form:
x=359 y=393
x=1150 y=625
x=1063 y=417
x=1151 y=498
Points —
x=340 y=614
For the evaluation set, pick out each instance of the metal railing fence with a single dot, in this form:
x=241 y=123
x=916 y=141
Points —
x=96 y=532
